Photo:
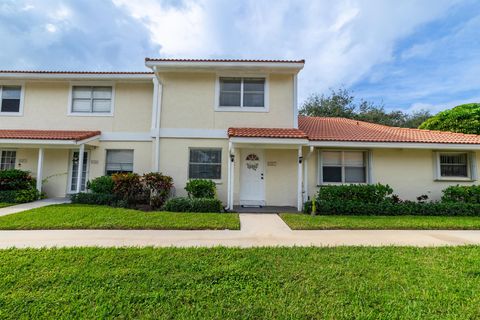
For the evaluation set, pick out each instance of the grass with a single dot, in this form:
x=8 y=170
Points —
x=3 y=204
x=307 y=222
x=260 y=283
x=74 y=216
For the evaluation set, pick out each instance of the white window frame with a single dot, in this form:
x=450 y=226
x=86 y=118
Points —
x=471 y=166
x=90 y=84
x=119 y=149
x=20 y=84
x=367 y=156
x=217 y=181
x=266 y=95
x=16 y=156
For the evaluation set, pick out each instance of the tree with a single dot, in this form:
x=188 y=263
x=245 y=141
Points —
x=464 y=118
x=341 y=103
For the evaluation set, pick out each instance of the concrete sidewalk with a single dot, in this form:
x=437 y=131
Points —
x=256 y=230
x=32 y=205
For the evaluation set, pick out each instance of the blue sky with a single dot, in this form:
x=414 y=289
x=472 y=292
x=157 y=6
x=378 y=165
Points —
x=405 y=54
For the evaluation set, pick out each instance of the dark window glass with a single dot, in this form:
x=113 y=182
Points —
x=332 y=174
x=454 y=165
x=230 y=92
x=205 y=164
x=254 y=92
x=11 y=98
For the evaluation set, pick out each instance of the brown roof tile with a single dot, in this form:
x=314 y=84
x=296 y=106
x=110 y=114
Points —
x=48 y=134
x=267 y=133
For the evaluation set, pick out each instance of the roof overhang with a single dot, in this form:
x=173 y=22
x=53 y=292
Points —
x=395 y=145
x=268 y=143
x=51 y=138
x=22 y=75
x=159 y=65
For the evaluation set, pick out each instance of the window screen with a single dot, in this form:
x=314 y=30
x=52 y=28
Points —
x=119 y=161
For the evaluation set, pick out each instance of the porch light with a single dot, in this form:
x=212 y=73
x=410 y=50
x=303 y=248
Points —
x=75 y=158
x=300 y=159
x=232 y=158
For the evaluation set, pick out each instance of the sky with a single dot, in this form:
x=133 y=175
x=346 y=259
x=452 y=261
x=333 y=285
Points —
x=408 y=55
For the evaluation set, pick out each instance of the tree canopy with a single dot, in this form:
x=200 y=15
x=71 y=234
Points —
x=342 y=103
x=464 y=118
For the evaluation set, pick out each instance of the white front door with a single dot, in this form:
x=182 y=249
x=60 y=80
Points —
x=252 y=177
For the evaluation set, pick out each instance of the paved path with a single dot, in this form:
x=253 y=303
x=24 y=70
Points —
x=257 y=230
x=32 y=205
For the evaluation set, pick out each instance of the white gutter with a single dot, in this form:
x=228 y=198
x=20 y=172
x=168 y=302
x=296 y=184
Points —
x=295 y=101
x=395 y=145
x=74 y=76
x=156 y=117
x=218 y=64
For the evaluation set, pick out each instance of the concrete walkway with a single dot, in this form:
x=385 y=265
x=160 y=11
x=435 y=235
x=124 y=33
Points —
x=32 y=205
x=256 y=230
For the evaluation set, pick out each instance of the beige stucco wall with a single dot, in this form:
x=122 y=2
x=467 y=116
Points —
x=46 y=107
x=189 y=102
x=410 y=172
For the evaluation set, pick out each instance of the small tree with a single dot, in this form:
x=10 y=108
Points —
x=464 y=118
x=159 y=187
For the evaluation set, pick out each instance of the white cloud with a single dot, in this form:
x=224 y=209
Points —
x=51 y=27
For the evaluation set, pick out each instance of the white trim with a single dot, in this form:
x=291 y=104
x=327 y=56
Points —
x=126 y=136
x=395 y=145
x=70 y=167
x=295 y=101
x=299 y=180
x=22 y=97
x=366 y=159
x=269 y=140
x=242 y=108
x=193 y=133
x=91 y=84
x=81 y=155
x=72 y=76
x=229 y=175
x=438 y=173
x=179 y=65
x=305 y=173
x=47 y=142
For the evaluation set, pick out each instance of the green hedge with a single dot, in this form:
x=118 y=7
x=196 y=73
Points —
x=465 y=194
x=388 y=208
x=193 y=205
x=366 y=193
x=201 y=188
x=19 y=196
x=103 y=184
x=14 y=179
x=98 y=199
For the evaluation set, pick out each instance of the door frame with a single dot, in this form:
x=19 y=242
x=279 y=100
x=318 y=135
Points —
x=70 y=170
x=261 y=154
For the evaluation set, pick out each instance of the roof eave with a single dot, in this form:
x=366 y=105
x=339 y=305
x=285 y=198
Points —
x=394 y=145
x=73 y=76
x=162 y=66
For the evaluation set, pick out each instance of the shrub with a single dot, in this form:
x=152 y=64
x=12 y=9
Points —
x=95 y=198
x=103 y=184
x=129 y=188
x=366 y=193
x=193 y=205
x=19 y=196
x=159 y=187
x=16 y=180
x=201 y=188
x=465 y=194
x=387 y=208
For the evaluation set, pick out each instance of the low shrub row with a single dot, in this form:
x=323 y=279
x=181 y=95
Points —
x=201 y=188
x=19 y=196
x=465 y=194
x=17 y=186
x=388 y=208
x=193 y=205
x=103 y=199
x=366 y=193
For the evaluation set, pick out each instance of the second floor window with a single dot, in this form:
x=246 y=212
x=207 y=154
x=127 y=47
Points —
x=91 y=99
x=10 y=99
x=242 y=92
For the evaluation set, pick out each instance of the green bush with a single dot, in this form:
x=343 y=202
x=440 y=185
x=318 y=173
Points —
x=465 y=194
x=97 y=199
x=129 y=188
x=201 y=188
x=103 y=184
x=387 y=208
x=19 y=196
x=16 y=180
x=193 y=205
x=366 y=193
x=159 y=188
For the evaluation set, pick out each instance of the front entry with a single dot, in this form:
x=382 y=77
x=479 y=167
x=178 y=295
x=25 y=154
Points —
x=252 y=177
x=73 y=172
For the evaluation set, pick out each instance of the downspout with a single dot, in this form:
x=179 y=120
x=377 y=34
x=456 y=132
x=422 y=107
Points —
x=156 y=116
x=295 y=101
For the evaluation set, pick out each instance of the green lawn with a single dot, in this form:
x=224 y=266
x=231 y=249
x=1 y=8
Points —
x=3 y=204
x=71 y=216
x=307 y=222
x=261 y=283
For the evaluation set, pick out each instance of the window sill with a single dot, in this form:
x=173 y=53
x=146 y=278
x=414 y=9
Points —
x=453 y=179
x=241 y=109
x=90 y=114
x=11 y=114
x=339 y=183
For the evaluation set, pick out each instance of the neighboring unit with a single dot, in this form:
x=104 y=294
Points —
x=233 y=121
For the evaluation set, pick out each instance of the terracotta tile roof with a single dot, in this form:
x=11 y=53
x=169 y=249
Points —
x=223 y=60
x=341 y=129
x=75 y=72
x=48 y=134
x=267 y=133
